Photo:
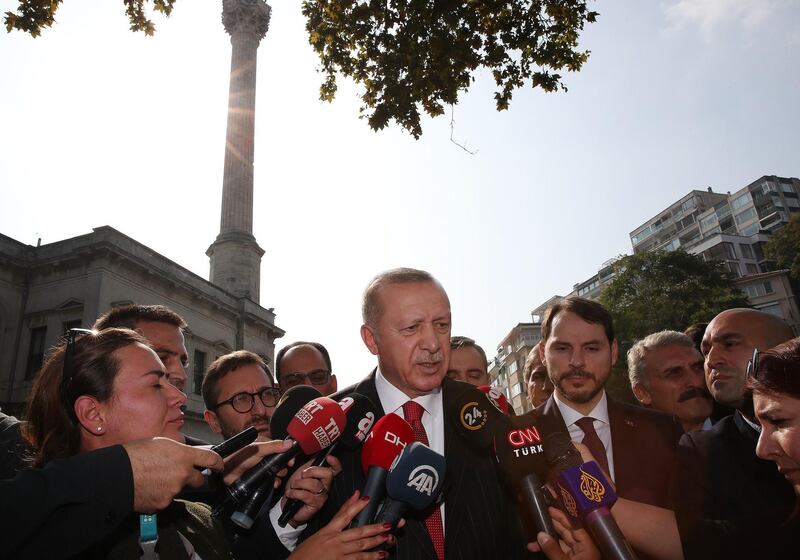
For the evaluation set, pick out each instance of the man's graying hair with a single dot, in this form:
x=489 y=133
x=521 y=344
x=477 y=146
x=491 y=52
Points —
x=637 y=355
x=370 y=306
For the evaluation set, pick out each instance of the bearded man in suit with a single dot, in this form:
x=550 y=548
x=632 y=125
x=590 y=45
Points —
x=637 y=447
x=406 y=315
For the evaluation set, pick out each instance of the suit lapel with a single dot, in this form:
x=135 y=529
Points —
x=622 y=426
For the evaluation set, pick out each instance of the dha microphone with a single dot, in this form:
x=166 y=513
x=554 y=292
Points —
x=384 y=443
x=414 y=481
x=586 y=496
x=497 y=398
x=360 y=412
x=315 y=426
x=520 y=453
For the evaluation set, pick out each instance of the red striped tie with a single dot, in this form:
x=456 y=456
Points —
x=413 y=414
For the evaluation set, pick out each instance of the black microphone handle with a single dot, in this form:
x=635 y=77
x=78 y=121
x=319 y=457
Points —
x=607 y=536
x=269 y=466
x=294 y=505
x=392 y=511
x=375 y=489
x=246 y=516
x=530 y=489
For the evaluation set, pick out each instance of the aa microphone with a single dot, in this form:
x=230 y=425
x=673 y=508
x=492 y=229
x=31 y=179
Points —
x=360 y=412
x=383 y=444
x=586 y=496
x=290 y=402
x=496 y=397
x=414 y=482
x=520 y=453
x=315 y=426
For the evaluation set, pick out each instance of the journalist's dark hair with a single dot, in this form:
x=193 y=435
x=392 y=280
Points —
x=588 y=310
x=778 y=370
x=129 y=316
x=457 y=342
x=222 y=366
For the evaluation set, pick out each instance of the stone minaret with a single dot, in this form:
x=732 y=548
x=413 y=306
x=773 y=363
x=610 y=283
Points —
x=235 y=255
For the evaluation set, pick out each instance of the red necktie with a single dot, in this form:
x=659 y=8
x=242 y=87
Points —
x=593 y=442
x=413 y=414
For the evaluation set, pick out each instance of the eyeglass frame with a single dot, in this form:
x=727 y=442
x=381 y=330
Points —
x=307 y=376
x=273 y=390
x=67 y=368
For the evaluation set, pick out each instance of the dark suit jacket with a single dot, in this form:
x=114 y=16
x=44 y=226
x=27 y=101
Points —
x=480 y=521
x=644 y=445
x=727 y=495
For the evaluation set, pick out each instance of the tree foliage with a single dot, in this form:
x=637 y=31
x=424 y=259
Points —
x=34 y=15
x=659 y=290
x=784 y=248
x=420 y=54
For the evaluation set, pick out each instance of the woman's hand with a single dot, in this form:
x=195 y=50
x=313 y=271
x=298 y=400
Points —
x=575 y=544
x=334 y=542
x=310 y=485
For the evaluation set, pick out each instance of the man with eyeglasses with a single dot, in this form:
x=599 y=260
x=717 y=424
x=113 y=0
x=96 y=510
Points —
x=305 y=363
x=721 y=477
x=239 y=392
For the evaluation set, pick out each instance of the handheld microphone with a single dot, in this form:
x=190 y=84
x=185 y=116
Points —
x=288 y=405
x=586 y=496
x=315 y=426
x=360 y=412
x=237 y=442
x=496 y=397
x=414 y=481
x=384 y=443
x=520 y=453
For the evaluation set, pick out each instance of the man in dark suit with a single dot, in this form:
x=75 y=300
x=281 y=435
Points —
x=637 y=447
x=721 y=477
x=406 y=316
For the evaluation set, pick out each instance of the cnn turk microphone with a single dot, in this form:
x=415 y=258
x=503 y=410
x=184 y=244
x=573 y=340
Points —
x=383 y=444
x=315 y=426
x=586 y=496
x=414 y=482
x=360 y=413
x=520 y=453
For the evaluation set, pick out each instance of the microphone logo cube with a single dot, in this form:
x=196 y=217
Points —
x=587 y=487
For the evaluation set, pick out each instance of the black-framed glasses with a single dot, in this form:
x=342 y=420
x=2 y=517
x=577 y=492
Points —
x=317 y=377
x=69 y=367
x=752 y=365
x=244 y=402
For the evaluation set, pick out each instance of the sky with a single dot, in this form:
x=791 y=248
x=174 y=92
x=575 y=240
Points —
x=102 y=126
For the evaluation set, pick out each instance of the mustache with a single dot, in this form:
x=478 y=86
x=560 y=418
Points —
x=256 y=419
x=693 y=393
x=428 y=358
x=577 y=373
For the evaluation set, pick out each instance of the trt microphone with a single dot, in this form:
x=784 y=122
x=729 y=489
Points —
x=315 y=426
x=384 y=443
x=520 y=452
x=496 y=397
x=288 y=405
x=360 y=412
x=586 y=496
x=414 y=481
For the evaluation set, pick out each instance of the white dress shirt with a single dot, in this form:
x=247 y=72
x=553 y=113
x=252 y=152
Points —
x=601 y=425
x=393 y=399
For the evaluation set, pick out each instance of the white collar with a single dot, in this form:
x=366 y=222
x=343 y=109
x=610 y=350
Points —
x=570 y=415
x=393 y=398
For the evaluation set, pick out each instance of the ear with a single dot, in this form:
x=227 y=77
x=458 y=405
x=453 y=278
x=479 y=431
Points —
x=90 y=414
x=368 y=336
x=541 y=353
x=614 y=352
x=334 y=385
x=642 y=395
x=212 y=421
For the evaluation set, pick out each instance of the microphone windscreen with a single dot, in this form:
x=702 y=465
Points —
x=560 y=452
x=317 y=425
x=417 y=476
x=360 y=412
x=496 y=397
x=520 y=448
x=385 y=442
x=288 y=405
x=477 y=418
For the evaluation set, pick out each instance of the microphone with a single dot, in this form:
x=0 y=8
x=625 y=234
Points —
x=237 y=442
x=586 y=495
x=384 y=443
x=315 y=426
x=476 y=420
x=414 y=481
x=496 y=397
x=288 y=405
x=520 y=453
x=360 y=412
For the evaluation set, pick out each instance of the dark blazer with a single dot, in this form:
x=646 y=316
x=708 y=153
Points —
x=480 y=521
x=722 y=479
x=645 y=448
